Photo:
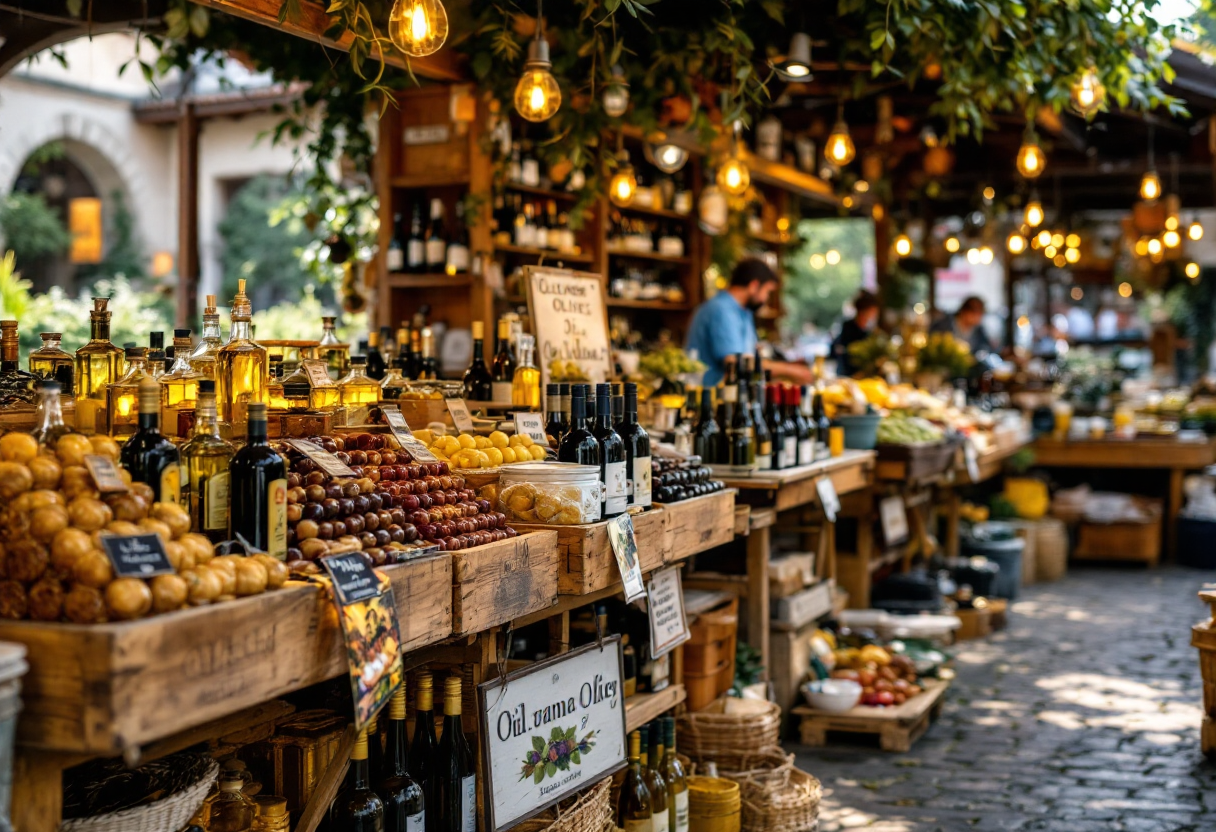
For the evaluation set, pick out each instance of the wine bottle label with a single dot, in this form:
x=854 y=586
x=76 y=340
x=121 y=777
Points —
x=681 y=811
x=276 y=523
x=416 y=823
x=468 y=804
x=415 y=254
x=730 y=393
x=790 y=452
x=764 y=461
x=215 y=503
x=641 y=482
x=458 y=258
x=542 y=237
x=170 y=484
x=616 y=500
x=394 y=259
x=659 y=822
x=436 y=251
x=639 y=825
x=806 y=451
x=501 y=391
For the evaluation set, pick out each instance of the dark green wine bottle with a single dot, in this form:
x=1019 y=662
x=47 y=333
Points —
x=258 y=489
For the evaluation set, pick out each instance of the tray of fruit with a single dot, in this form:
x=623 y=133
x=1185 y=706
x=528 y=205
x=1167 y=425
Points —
x=886 y=678
x=472 y=452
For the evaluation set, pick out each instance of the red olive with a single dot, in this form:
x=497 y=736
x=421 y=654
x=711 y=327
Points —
x=329 y=444
x=343 y=457
x=388 y=473
x=409 y=502
x=357 y=457
x=340 y=528
x=374 y=458
x=354 y=524
x=371 y=521
x=439 y=498
x=424 y=500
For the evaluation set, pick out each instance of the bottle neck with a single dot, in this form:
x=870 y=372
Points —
x=50 y=411
x=631 y=408
x=149 y=422
x=553 y=405
x=578 y=411
x=358 y=372
x=478 y=352
x=211 y=327
x=603 y=410
x=99 y=330
x=241 y=331
x=396 y=746
x=258 y=432
x=207 y=420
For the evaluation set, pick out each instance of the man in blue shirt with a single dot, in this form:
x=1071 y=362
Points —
x=725 y=324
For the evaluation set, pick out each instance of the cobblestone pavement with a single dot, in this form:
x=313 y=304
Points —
x=1083 y=715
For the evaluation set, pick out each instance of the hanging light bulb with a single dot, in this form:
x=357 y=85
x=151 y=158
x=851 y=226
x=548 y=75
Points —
x=986 y=255
x=733 y=176
x=1154 y=246
x=1150 y=186
x=1171 y=222
x=418 y=27
x=928 y=136
x=624 y=183
x=616 y=93
x=537 y=95
x=973 y=256
x=1072 y=255
x=903 y=245
x=1016 y=243
x=1034 y=214
x=952 y=244
x=668 y=158
x=1043 y=238
x=1088 y=92
x=1073 y=240
x=1192 y=270
x=1141 y=247
x=1172 y=239
x=1058 y=240
x=797 y=63
x=1031 y=160
x=840 y=149
x=1194 y=231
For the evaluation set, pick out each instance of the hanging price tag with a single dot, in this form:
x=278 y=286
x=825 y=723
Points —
x=406 y=438
x=317 y=372
x=972 y=458
x=894 y=519
x=105 y=474
x=533 y=426
x=326 y=461
x=461 y=417
x=828 y=498
x=625 y=547
x=668 y=623
x=137 y=555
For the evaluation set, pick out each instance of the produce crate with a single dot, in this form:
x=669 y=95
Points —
x=501 y=581
x=977 y=623
x=915 y=462
x=103 y=688
x=897 y=728
x=1122 y=541
x=700 y=523
x=586 y=562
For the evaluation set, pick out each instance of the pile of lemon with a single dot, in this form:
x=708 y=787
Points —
x=467 y=450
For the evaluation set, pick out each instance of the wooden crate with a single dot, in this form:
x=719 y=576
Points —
x=700 y=523
x=498 y=582
x=896 y=727
x=1122 y=541
x=586 y=562
x=976 y=624
x=106 y=687
x=789 y=661
x=914 y=462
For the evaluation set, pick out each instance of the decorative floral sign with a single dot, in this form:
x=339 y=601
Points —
x=546 y=759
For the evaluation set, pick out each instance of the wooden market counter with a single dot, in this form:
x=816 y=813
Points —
x=1169 y=454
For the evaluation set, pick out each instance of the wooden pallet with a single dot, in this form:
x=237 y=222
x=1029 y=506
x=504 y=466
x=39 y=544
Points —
x=897 y=728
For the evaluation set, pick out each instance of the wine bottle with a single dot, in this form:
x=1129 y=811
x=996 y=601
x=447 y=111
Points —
x=150 y=457
x=637 y=452
x=823 y=427
x=376 y=368
x=727 y=404
x=739 y=435
x=375 y=751
x=578 y=444
x=785 y=406
x=762 y=439
x=478 y=382
x=421 y=762
x=804 y=427
x=677 y=782
x=436 y=240
x=542 y=228
x=356 y=808
x=502 y=370
x=706 y=434
x=782 y=443
x=458 y=247
x=415 y=245
x=612 y=456
x=404 y=803
x=394 y=257
x=652 y=755
x=633 y=807
x=553 y=415
x=455 y=779
x=258 y=489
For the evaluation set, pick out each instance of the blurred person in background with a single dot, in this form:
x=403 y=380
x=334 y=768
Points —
x=967 y=325
x=857 y=328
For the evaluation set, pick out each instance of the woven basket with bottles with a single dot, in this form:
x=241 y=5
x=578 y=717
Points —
x=590 y=811
x=728 y=731
x=776 y=796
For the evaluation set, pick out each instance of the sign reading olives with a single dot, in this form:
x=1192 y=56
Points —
x=326 y=461
x=569 y=314
x=137 y=555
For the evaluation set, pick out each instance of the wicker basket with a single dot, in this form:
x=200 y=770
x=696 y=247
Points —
x=590 y=811
x=730 y=740
x=166 y=815
x=793 y=807
x=768 y=768
x=1203 y=636
x=1050 y=549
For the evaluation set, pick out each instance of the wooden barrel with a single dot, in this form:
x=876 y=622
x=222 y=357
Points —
x=1051 y=549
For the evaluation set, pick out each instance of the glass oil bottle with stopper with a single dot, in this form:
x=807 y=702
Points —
x=356 y=387
x=179 y=386
x=205 y=458
x=231 y=811
x=204 y=356
x=16 y=385
x=48 y=420
x=525 y=386
x=52 y=361
x=99 y=363
x=241 y=366
x=333 y=352
x=121 y=415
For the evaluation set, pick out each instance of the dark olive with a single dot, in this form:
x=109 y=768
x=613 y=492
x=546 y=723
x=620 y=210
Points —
x=313 y=511
x=371 y=521
x=354 y=524
x=340 y=528
x=325 y=530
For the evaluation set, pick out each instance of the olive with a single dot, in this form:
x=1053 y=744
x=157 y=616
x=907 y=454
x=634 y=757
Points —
x=330 y=507
x=386 y=518
x=316 y=478
x=357 y=457
x=329 y=444
x=315 y=493
x=388 y=457
x=340 y=528
x=396 y=533
x=374 y=458
x=303 y=465
x=379 y=556
x=325 y=530
x=296 y=495
x=383 y=538
x=371 y=521
x=333 y=490
x=354 y=524
x=439 y=498
x=294 y=480
x=339 y=442
x=294 y=554
x=424 y=500
x=313 y=511
x=418 y=517
x=425 y=531
x=397 y=515
x=374 y=502
x=306 y=529
x=295 y=512
x=350 y=488
x=343 y=457
x=361 y=505
x=484 y=505
x=388 y=473
x=367 y=540
x=356 y=470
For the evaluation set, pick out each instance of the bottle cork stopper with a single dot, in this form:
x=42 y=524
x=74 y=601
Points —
x=451 y=696
x=478 y=330
x=359 y=752
x=396 y=705
x=149 y=396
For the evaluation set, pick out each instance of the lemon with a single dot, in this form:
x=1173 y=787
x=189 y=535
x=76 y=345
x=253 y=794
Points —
x=482 y=443
x=508 y=455
x=450 y=444
x=516 y=439
x=495 y=456
x=538 y=451
x=498 y=439
x=526 y=441
x=467 y=441
x=424 y=436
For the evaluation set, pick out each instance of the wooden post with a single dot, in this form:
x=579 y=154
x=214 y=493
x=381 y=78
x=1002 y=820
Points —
x=187 y=216
x=758 y=543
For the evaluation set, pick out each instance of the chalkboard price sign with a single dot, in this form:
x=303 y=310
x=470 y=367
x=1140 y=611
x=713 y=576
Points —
x=137 y=555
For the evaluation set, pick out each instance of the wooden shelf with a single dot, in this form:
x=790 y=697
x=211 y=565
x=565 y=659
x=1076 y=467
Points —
x=657 y=305
x=548 y=254
x=774 y=239
x=643 y=707
x=402 y=280
x=649 y=255
x=654 y=212
x=546 y=193
x=438 y=180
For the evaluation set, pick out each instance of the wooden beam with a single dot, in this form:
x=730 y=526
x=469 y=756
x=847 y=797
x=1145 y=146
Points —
x=312 y=23
x=187 y=216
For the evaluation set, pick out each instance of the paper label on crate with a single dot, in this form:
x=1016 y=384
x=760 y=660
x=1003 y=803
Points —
x=828 y=498
x=137 y=555
x=326 y=461
x=317 y=371
x=894 y=518
x=105 y=474
x=353 y=579
x=532 y=426
x=405 y=437
x=972 y=458
x=461 y=417
x=625 y=547
x=665 y=602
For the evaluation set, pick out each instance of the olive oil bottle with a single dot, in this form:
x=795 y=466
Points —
x=652 y=754
x=150 y=457
x=205 y=354
x=404 y=804
x=205 y=460
x=50 y=361
x=633 y=807
x=455 y=783
x=99 y=363
x=241 y=366
x=179 y=386
x=677 y=782
x=258 y=490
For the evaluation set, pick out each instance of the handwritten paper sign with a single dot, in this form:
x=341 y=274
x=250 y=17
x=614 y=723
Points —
x=550 y=730
x=569 y=316
x=405 y=437
x=137 y=555
x=326 y=461
x=625 y=547
x=532 y=426
x=105 y=474
x=972 y=458
x=828 y=498
x=317 y=371
x=894 y=519
x=461 y=418
x=668 y=623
